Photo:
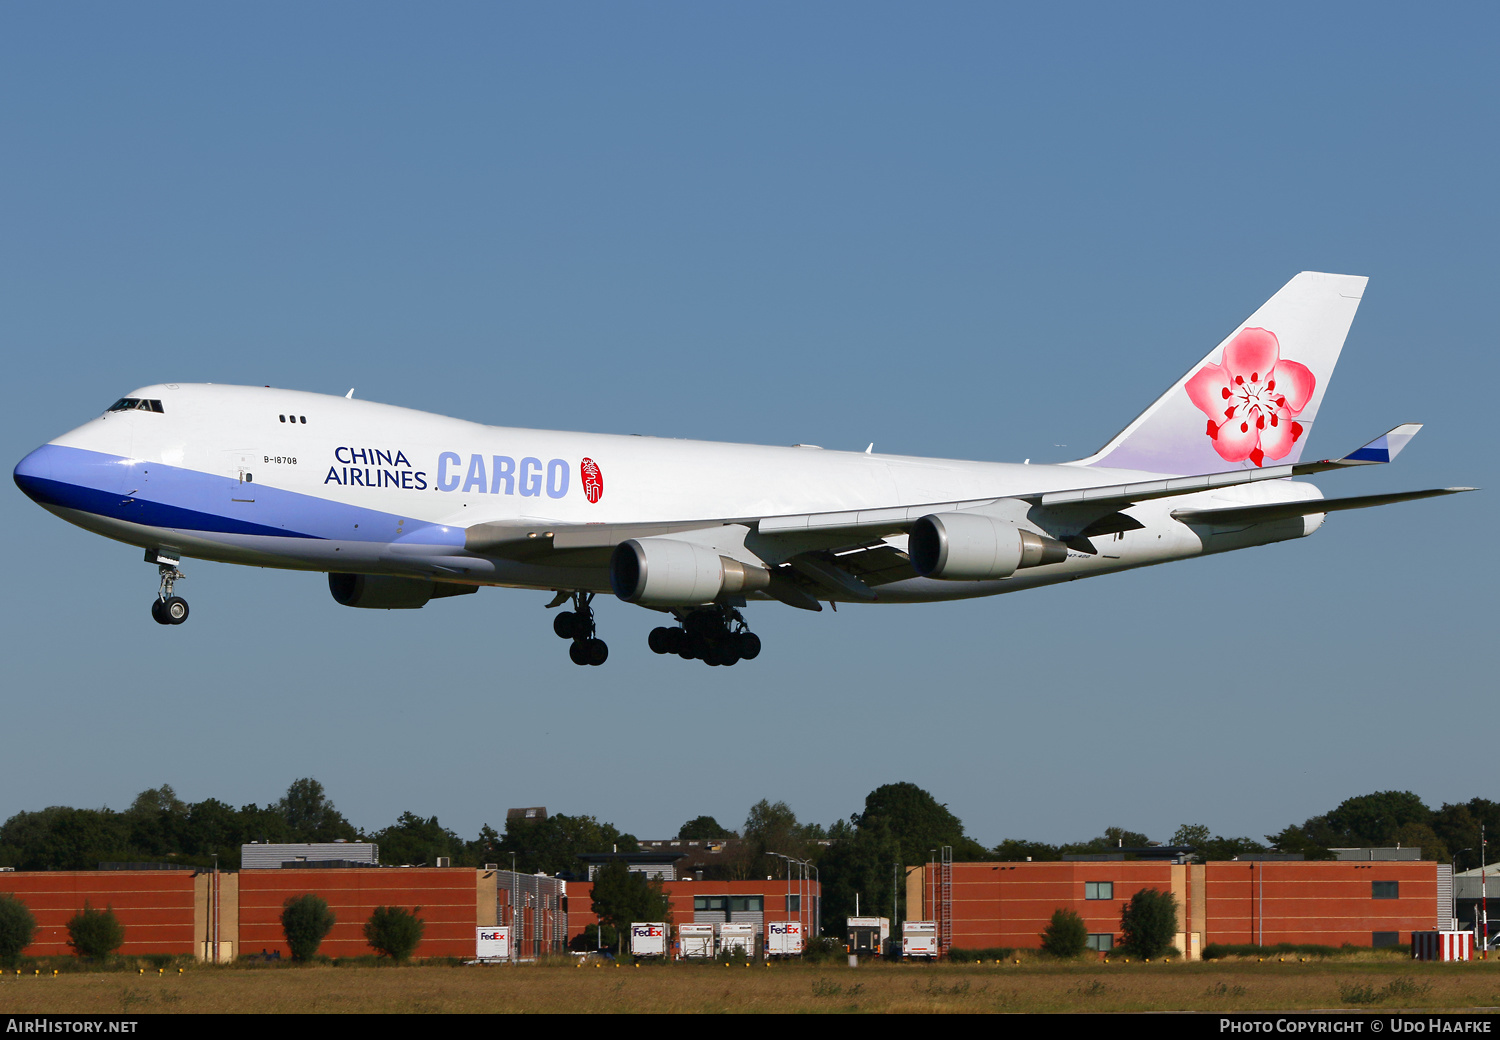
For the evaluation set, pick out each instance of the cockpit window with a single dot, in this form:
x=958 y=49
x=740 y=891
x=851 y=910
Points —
x=135 y=404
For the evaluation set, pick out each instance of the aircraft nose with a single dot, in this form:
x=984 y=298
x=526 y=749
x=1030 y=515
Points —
x=55 y=475
x=34 y=473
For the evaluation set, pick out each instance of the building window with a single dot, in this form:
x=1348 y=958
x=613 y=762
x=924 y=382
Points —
x=747 y=904
x=1098 y=890
x=1385 y=890
x=1101 y=941
x=710 y=903
x=794 y=904
x=1385 y=938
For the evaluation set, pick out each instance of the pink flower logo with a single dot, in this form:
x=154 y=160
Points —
x=1252 y=398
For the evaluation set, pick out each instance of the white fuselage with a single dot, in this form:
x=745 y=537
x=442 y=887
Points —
x=235 y=474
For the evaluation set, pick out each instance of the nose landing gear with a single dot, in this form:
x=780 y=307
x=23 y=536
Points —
x=578 y=625
x=715 y=635
x=167 y=608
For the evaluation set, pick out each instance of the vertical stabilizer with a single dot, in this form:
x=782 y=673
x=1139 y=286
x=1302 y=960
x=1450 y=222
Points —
x=1252 y=401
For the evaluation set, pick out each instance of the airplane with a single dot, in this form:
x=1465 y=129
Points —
x=401 y=507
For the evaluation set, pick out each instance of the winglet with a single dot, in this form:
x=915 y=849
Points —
x=1384 y=448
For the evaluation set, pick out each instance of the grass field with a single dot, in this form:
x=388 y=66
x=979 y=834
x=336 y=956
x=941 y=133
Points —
x=1334 y=984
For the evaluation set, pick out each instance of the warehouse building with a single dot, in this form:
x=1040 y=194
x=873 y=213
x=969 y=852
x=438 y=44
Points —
x=1264 y=901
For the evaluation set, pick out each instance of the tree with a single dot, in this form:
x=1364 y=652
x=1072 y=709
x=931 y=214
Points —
x=156 y=819
x=1016 y=850
x=1066 y=935
x=63 y=838
x=394 y=931
x=595 y=938
x=214 y=829
x=305 y=921
x=772 y=827
x=411 y=839
x=95 y=933
x=17 y=930
x=1374 y=819
x=484 y=849
x=1458 y=825
x=1212 y=847
x=858 y=870
x=551 y=846
x=918 y=823
x=1192 y=835
x=1148 y=923
x=622 y=897
x=311 y=816
x=703 y=827
x=1112 y=840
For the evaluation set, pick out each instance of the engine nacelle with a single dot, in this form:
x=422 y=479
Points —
x=665 y=572
x=975 y=547
x=384 y=592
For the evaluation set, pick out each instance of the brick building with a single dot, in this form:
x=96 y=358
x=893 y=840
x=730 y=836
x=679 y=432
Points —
x=1242 y=901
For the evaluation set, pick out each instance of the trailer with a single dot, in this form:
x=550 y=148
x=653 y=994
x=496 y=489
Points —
x=696 y=940
x=920 y=939
x=737 y=936
x=648 y=939
x=868 y=934
x=783 y=938
x=492 y=944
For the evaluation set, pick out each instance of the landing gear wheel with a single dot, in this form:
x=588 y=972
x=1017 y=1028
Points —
x=578 y=625
x=664 y=640
x=715 y=635
x=595 y=651
x=719 y=655
x=169 y=608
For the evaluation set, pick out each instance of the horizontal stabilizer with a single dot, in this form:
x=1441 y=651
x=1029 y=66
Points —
x=1287 y=510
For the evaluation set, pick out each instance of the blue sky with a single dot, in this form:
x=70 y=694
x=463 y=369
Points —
x=969 y=230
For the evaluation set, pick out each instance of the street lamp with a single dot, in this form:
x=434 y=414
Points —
x=801 y=879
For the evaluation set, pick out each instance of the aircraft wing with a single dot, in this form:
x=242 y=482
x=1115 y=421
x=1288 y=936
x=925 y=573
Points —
x=845 y=551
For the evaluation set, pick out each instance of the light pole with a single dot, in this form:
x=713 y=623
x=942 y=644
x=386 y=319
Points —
x=513 y=879
x=801 y=880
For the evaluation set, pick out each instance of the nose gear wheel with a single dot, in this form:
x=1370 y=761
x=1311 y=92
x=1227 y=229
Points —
x=167 y=608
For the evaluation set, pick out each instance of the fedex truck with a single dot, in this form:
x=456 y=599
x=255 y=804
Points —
x=920 y=939
x=648 y=939
x=696 y=940
x=783 y=938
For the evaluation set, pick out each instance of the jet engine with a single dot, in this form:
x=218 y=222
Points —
x=975 y=547
x=665 y=572
x=384 y=592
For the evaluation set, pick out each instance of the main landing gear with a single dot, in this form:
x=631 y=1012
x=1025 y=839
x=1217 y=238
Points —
x=715 y=635
x=578 y=625
x=166 y=608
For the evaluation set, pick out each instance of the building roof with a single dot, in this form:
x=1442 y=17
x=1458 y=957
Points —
x=1396 y=852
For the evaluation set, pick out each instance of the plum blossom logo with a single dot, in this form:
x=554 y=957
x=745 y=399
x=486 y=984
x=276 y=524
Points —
x=1252 y=398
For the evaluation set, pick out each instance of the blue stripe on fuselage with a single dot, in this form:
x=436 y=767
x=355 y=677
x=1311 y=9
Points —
x=189 y=500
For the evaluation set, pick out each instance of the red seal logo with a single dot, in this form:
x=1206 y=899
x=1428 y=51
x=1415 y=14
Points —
x=593 y=479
